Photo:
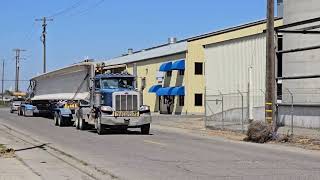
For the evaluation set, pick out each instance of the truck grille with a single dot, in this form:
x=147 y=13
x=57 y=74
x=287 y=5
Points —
x=127 y=102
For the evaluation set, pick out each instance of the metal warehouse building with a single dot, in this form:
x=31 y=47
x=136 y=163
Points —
x=235 y=61
x=179 y=72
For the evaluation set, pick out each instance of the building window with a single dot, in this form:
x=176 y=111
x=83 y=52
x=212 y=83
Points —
x=181 y=100
x=181 y=72
x=198 y=99
x=169 y=73
x=198 y=68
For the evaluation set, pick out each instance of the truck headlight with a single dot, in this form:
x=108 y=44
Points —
x=144 y=109
x=107 y=109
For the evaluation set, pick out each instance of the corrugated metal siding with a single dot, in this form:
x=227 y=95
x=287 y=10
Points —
x=227 y=63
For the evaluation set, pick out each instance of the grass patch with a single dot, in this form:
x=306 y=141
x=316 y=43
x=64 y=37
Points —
x=2 y=146
x=4 y=105
x=6 y=152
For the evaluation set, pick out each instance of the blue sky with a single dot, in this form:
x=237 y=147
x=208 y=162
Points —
x=102 y=29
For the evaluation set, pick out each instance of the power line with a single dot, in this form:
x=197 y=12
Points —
x=15 y=80
x=59 y=13
x=88 y=9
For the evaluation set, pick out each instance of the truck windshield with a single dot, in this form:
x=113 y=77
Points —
x=116 y=83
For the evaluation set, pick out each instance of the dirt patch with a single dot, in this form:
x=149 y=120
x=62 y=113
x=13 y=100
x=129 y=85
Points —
x=300 y=141
x=227 y=134
x=6 y=152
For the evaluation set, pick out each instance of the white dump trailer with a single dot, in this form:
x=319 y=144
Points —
x=84 y=94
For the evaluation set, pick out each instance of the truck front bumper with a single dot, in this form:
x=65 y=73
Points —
x=126 y=121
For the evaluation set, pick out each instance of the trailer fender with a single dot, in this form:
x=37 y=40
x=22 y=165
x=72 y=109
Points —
x=64 y=112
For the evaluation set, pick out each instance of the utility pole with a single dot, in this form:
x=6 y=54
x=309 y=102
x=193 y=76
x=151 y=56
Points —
x=43 y=40
x=17 y=67
x=2 y=82
x=270 y=68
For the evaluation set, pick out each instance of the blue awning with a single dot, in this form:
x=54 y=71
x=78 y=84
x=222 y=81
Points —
x=154 y=88
x=178 y=91
x=166 y=66
x=178 y=65
x=164 y=91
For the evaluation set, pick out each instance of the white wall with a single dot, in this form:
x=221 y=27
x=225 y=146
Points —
x=226 y=70
x=227 y=64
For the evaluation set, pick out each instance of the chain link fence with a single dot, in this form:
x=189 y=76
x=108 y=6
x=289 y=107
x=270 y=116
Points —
x=298 y=111
x=231 y=111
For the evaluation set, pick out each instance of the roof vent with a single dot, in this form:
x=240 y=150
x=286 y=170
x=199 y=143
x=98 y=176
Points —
x=172 y=40
x=130 y=51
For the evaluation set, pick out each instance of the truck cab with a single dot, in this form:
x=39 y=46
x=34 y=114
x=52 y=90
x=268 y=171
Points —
x=116 y=104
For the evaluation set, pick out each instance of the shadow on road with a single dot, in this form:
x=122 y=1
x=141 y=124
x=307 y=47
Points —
x=119 y=132
x=42 y=146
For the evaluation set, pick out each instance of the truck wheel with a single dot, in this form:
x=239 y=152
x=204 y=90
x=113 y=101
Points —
x=99 y=126
x=145 y=129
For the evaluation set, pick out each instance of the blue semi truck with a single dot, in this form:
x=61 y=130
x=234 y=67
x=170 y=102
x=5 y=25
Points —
x=85 y=94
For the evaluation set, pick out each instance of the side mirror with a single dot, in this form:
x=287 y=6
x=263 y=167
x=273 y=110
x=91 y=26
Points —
x=97 y=99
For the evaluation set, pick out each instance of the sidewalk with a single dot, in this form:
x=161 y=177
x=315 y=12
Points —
x=11 y=167
x=303 y=137
x=33 y=161
x=192 y=122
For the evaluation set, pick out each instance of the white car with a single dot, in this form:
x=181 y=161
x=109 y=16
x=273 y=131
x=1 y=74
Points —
x=15 y=104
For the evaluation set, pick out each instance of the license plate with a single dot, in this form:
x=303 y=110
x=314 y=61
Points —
x=126 y=113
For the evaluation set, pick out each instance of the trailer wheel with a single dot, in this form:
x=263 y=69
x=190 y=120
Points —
x=145 y=129
x=76 y=122
x=82 y=124
x=99 y=126
x=59 y=121
x=56 y=123
x=18 y=112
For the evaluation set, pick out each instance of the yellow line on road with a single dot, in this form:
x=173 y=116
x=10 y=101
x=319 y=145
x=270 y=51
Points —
x=154 y=142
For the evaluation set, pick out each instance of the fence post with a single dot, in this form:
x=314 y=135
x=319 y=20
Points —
x=222 y=113
x=205 y=107
x=291 y=111
x=242 y=128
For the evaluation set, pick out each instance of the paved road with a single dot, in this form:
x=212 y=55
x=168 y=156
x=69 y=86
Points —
x=172 y=155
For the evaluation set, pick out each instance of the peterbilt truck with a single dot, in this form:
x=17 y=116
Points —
x=85 y=94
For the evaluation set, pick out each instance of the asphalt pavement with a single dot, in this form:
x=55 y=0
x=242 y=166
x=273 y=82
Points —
x=170 y=154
